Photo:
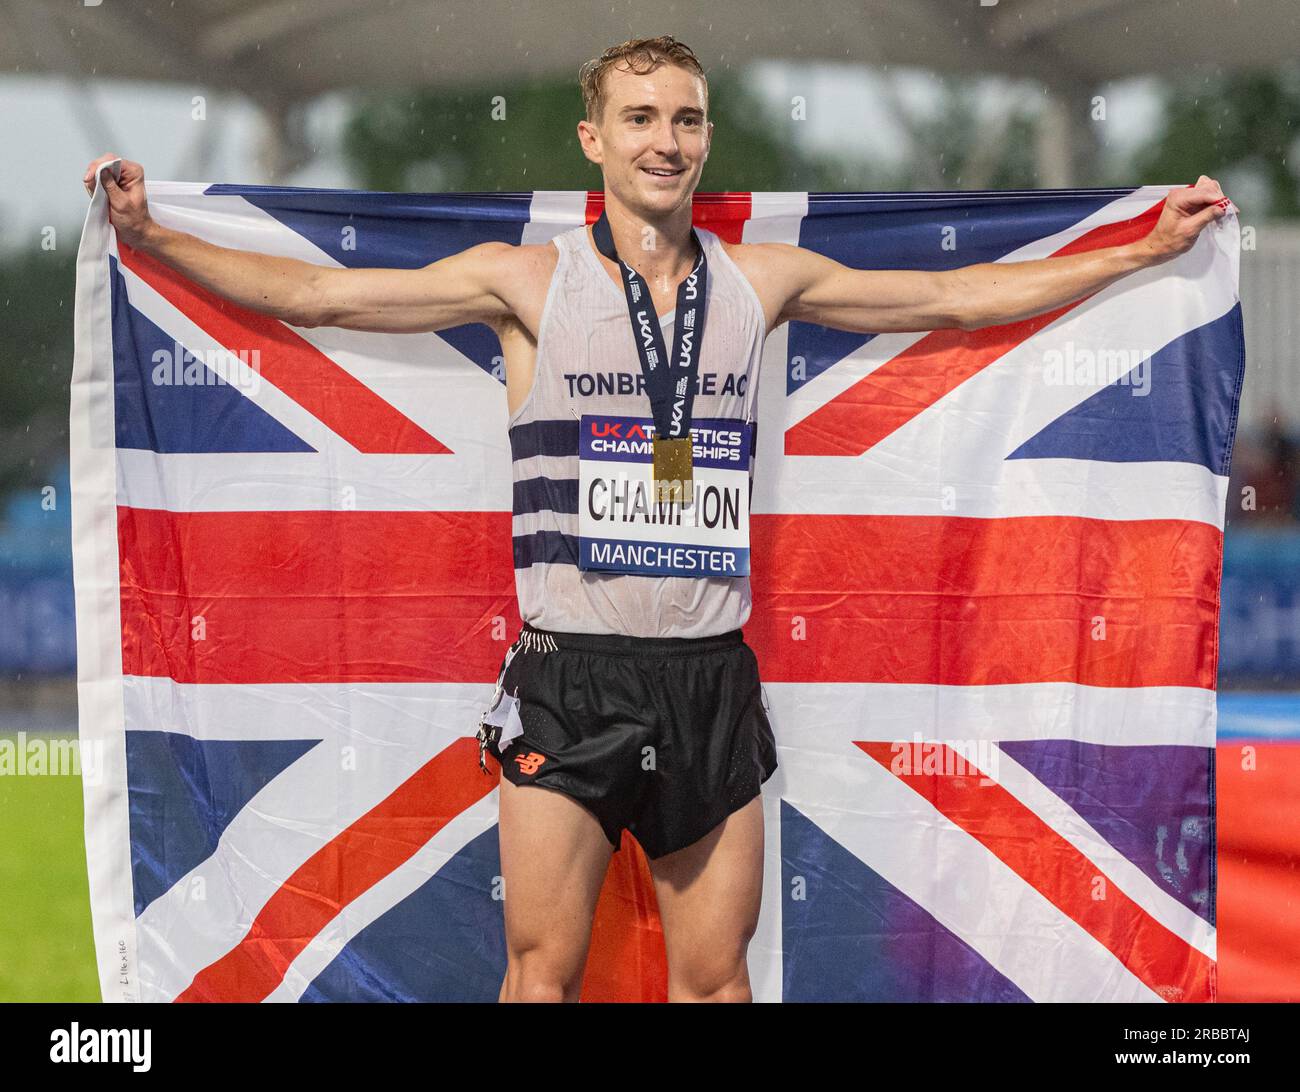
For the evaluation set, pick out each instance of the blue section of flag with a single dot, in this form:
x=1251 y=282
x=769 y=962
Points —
x=1154 y=804
x=183 y=792
x=811 y=349
x=847 y=934
x=1180 y=405
x=361 y=229
x=921 y=231
x=178 y=416
x=475 y=341
x=443 y=942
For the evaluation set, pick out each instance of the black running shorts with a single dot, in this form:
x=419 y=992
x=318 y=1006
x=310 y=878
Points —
x=665 y=736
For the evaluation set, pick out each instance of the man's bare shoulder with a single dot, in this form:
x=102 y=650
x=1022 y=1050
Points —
x=772 y=270
x=759 y=254
x=768 y=261
x=521 y=274
x=526 y=261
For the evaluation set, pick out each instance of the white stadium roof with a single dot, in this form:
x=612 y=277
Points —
x=283 y=53
x=293 y=49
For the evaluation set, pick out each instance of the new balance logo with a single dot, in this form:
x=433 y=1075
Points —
x=530 y=763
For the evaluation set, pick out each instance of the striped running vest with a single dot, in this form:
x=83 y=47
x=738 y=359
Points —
x=587 y=363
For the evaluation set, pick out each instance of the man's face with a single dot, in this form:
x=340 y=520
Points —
x=652 y=124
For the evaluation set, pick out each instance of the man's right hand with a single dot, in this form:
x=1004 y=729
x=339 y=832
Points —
x=128 y=211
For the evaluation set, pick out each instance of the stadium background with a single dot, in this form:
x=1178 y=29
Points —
x=866 y=97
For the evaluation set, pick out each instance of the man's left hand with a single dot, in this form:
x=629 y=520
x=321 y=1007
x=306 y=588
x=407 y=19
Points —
x=1185 y=213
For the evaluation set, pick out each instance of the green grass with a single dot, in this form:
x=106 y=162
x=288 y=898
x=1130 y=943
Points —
x=46 y=945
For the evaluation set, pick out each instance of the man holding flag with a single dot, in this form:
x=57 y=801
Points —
x=632 y=356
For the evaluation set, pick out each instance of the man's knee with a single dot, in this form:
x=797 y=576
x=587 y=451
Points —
x=712 y=981
x=539 y=975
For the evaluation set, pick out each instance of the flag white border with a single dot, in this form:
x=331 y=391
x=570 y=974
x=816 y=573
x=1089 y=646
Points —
x=101 y=717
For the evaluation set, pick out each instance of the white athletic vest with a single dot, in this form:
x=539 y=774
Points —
x=587 y=363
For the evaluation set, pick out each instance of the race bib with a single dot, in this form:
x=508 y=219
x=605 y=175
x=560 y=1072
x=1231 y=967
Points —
x=622 y=529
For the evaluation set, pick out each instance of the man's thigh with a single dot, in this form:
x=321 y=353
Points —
x=554 y=856
x=709 y=896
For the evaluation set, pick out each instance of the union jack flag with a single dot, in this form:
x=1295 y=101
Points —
x=985 y=583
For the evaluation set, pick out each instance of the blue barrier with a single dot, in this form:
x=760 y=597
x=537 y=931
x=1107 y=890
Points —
x=38 y=633
x=1260 y=620
x=1247 y=715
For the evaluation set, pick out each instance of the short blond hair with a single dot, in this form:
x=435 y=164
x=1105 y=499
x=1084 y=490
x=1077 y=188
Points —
x=643 y=55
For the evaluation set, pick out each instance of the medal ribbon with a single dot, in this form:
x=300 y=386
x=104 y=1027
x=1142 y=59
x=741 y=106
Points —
x=669 y=381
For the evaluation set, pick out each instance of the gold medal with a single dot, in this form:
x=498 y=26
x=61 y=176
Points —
x=672 y=470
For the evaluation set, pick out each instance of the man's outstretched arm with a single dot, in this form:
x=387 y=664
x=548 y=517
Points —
x=461 y=288
x=820 y=290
